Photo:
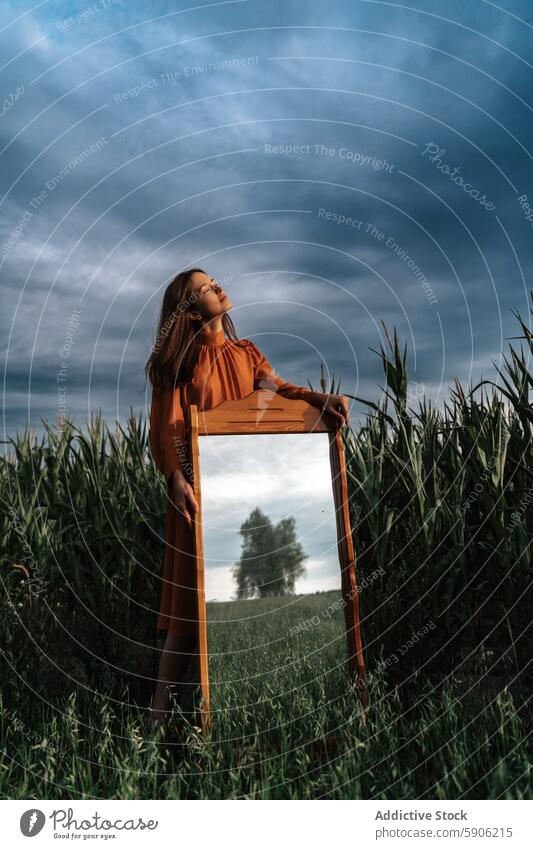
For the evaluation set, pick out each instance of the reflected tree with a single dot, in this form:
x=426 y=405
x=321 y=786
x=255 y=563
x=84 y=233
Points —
x=271 y=558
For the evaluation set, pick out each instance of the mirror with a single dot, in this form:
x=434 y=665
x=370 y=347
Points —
x=275 y=617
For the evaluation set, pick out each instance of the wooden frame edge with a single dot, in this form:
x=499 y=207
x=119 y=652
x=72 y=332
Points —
x=349 y=588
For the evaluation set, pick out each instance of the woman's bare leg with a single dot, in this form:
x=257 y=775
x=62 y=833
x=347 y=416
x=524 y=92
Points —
x=175 y=657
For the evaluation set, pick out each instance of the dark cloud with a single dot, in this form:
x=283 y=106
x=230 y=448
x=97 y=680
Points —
x=181 y=108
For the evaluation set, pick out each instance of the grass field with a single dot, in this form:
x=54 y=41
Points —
x=285 y=725
x=441 y=508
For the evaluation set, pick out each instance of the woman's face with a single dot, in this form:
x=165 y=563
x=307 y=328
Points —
x=208 y=297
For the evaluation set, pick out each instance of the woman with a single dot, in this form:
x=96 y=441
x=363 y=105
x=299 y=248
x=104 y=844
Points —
x=197 y=359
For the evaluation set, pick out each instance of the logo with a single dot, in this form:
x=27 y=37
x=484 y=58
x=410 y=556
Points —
x=31 y=822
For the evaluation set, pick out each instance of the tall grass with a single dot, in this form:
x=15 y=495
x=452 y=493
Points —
x=285 y=726
x=441 y=508
x=442 y=511
x=82 y=535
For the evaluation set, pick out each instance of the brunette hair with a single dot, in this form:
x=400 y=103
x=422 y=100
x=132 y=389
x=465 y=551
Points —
x=174 y=354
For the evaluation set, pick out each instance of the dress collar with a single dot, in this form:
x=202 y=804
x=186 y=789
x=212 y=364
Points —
x=206 y=337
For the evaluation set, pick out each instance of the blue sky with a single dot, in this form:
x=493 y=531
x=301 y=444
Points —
x=308 y=152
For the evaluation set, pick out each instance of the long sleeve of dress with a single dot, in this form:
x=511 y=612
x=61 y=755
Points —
x=264 y=378
x=167 y=431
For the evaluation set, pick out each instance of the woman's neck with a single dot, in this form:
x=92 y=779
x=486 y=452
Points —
x=209 y=335
x=213 y=326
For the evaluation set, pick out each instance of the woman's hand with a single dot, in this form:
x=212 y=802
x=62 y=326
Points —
x=336 y=406
x=184 y=496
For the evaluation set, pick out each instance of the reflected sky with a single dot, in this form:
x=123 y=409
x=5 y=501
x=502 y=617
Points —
x=285 y=475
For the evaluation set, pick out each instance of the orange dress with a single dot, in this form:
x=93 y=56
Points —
x=225 y=371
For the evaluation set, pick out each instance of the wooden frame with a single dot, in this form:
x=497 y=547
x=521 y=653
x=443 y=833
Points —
x=265 y=411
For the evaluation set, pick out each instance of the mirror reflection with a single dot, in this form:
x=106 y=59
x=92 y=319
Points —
x=272 y=576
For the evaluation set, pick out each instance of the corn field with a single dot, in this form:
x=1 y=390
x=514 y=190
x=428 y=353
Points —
x=442 y=511
x=440 y=502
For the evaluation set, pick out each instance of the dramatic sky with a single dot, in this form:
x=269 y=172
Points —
x=233 y=136
x=335 y=163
